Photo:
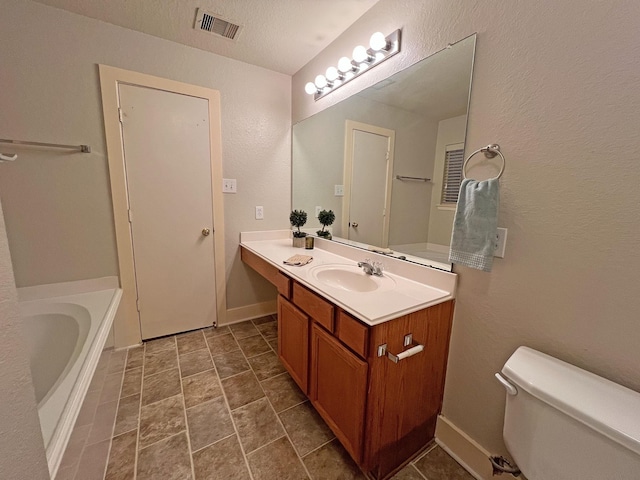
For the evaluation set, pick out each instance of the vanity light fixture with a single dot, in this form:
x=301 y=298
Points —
x=381 y=48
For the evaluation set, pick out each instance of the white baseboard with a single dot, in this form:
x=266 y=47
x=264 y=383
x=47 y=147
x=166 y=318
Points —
x=465 y=450
x=249 y=312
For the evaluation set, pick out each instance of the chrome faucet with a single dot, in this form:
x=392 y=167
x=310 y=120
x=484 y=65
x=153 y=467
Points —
x=371 y=268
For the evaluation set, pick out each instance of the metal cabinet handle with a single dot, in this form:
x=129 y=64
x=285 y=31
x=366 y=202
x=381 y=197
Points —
x=206 y=232
x=382 y=350
x=354 y=224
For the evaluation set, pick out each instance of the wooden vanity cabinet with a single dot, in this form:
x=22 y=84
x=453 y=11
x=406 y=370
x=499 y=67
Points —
x=268 y=271
x=405 y=398
x=338 y=389
x=383 y=413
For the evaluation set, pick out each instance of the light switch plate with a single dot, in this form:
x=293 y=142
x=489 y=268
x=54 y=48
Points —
x=259 y=212
x=500 y=243
x=229 y=185
x=338 y=190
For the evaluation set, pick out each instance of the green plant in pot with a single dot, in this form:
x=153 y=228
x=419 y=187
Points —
x=326 y=218
x=298 y=218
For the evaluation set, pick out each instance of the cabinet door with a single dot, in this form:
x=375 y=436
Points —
x=405 y=398
x=339 y=389
x=293 y=342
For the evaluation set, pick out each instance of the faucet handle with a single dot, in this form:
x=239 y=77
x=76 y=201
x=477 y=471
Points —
x=378 y=268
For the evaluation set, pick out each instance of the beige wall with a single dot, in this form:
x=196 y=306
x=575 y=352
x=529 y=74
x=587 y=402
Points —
x=21 y=447
x=57 y=204
x=450 y=131
x=556 y=85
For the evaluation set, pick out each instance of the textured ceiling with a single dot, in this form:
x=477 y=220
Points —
x=281 y=35
x=436 y=87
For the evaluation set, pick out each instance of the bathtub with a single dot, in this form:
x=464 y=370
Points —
x=432 y=254
x=65 y=328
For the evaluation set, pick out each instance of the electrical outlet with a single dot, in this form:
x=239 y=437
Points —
x=229 y=185
x=318 y=210
x=338 y=190
x=500 y=243
x=259 y=213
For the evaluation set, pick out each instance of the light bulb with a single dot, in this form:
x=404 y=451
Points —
x=321 y=81
x=360 y=54
x=345 y=65
x=332 y=74
x=310 y=88
x=378 y=41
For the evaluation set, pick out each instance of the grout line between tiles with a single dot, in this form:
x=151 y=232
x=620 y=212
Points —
x=229 y=411
x=115 y=418
x=137 y=447
x=318 y=447
x=247 y=404
x=417 y=470
x=286 y=434
x=184 y=410
x=234 y=375
x=163 y=440
x=427 y=450
x=296 y=405
x=226 y=401
x=269 y=443
x=213 y=443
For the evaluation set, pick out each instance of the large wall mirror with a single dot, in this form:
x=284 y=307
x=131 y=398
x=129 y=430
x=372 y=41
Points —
x=377 y=159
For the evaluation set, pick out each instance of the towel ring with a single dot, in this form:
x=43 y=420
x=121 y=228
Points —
x=490 y=151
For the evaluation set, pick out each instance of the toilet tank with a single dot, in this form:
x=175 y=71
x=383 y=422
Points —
x=564 y=423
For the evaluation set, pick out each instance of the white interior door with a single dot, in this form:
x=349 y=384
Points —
x=370 y=154
x=167 y=160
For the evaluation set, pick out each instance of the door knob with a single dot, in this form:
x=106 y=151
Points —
x=354 y=224
x=206 y=232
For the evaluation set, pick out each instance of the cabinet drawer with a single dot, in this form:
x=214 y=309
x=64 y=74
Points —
x=315 y=306
x=268 y=271
x=352 y=333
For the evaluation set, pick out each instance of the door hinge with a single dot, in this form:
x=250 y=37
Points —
x=120 y=114
x=387 y=157
x=130 y=215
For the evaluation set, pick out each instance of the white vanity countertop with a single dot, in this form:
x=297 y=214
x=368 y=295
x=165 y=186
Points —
x=417 y=287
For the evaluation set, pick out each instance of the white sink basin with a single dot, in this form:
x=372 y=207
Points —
x=351 y=278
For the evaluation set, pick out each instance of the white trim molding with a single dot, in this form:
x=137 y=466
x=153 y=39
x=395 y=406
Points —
x=465 y=450
x=249 y=312
x=127 y=322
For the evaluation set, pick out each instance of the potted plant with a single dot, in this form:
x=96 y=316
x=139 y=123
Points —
x=297 y=219
x=326 y=218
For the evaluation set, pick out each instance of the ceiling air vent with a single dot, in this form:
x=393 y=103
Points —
x=212 y=23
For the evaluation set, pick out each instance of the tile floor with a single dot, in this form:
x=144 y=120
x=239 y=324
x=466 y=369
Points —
x=212 y=404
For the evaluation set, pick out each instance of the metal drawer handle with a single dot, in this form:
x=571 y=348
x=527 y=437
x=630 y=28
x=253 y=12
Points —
x=382 y=350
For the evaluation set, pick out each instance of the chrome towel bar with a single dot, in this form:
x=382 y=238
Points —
x=418 y=179
x=79 y=148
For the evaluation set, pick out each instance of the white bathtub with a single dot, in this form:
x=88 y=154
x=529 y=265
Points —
x=66 y=327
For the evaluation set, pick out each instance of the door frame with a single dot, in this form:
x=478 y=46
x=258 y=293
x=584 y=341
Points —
x=127 y=321
x=350 y=127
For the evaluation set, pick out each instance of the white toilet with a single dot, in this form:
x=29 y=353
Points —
x=564 y=423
